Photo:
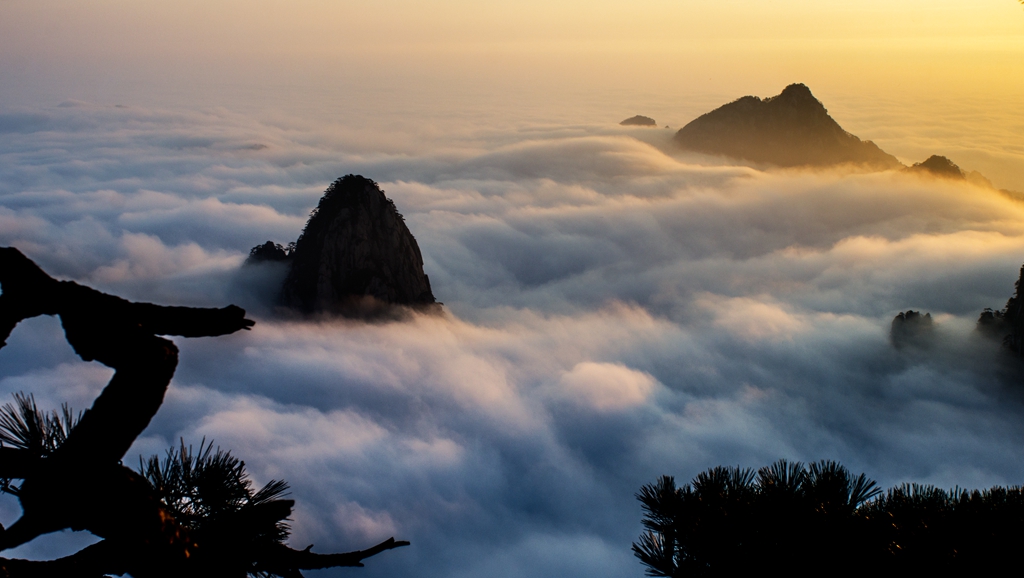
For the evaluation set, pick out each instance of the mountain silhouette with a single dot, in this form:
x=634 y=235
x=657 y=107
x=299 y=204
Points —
x=1007 y=325
x=940 y=166
x=911 y=328
x=787 y=130
x=356 y=257
x=639 y=120
x=269 y=252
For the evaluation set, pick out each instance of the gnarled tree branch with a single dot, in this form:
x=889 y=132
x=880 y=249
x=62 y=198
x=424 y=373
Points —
x=80 y=484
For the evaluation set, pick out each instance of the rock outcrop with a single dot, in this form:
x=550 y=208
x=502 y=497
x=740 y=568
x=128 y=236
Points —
x=1007 y=325
x=356 y=257
x=269 y=252
x=939 y=166
x=639 y=120
x=911 y=328
x=787 y=130
x=943 y=168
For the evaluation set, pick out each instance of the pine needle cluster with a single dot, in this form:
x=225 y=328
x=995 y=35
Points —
x=728 y=521
x=207 y=490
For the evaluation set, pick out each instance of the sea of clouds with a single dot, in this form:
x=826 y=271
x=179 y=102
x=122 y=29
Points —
x=614 y=311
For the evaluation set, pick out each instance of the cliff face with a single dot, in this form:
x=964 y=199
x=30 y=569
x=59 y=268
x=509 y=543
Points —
x=356 y=256
x=791 y=129
x=1007 y=325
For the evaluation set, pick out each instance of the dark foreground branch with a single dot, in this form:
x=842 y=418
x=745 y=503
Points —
x=282 y=559
x=108 y=557
x=95 y=561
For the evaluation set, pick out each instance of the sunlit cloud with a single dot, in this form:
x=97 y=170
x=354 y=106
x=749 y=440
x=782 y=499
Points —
x=606 y=386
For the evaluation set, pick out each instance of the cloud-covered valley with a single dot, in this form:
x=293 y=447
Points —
x=614 y=311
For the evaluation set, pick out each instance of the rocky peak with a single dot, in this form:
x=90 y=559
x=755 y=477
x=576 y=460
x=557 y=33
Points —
x=798 y=93
x=269 y=252
x=792 y=128
x=639 y=120
x=939 y=166
x=356 y=256
x=911 y=328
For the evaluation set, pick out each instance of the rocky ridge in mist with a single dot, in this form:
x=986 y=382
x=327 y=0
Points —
x=939 y=166
x=911 y=328
x=1007 y=325
x=787 y=130
x=270 y=252
x=639 y=120
x=355 y=257
x=942 y=167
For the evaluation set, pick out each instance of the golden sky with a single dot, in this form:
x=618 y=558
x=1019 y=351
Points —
x=913 y=75
x=872 y=41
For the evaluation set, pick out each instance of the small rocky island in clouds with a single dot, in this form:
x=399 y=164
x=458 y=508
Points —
x=639 y=120
x=788 y=130
x=356 y=257
x=911 y=327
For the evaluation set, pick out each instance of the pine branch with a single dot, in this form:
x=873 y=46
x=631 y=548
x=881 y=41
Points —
x=284 y=560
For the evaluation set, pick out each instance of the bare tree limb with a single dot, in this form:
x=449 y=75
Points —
x=284 y=558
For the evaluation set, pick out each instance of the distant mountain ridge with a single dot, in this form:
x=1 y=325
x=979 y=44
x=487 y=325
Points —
x=639 y=120
x=788 y=130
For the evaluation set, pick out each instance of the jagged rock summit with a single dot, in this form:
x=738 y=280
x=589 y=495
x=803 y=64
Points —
x=940 y=166
x=356 y=257
x=639 y=120
x=911 y=328
x=787 y=130
x=269 y=252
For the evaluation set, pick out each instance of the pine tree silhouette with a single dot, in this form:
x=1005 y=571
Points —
x=730 y=521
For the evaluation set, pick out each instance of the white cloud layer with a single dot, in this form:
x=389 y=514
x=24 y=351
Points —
x=613 y=313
